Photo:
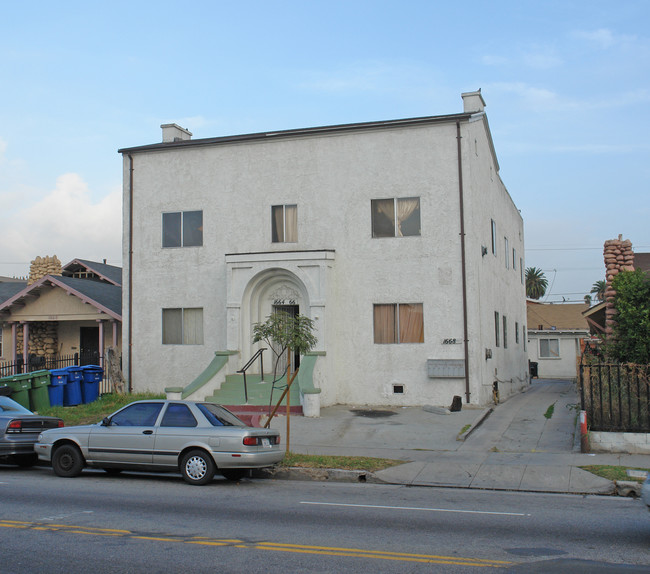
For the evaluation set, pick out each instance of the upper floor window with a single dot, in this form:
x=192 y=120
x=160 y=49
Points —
x=505 y=332
x=396 y=217
x=398 y=323
x=493 y=227
x=182 y=326
x=284 y=223
x=507 y=258
x=497 y=329
x=182 y=229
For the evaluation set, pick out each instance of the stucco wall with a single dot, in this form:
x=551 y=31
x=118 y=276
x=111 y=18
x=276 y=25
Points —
x=562 y=367
x=332 y=178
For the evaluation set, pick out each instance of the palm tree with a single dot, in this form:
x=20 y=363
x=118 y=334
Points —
x=536 y=283
x=588 y=299
x=598 y=289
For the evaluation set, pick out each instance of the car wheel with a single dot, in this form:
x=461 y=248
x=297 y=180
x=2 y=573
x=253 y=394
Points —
x=67 y=461
x=233 y=473
x=197 y=467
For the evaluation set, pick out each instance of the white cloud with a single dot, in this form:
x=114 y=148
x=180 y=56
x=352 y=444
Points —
x=603 y=38
x=64 y=222
x=535 y=57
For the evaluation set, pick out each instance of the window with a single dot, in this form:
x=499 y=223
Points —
x=507 y=258
x=516 y=333
x=505 y=332
x=178 y=415
x=525 y=337
x=182 y=326
x=398 y=323
x=182 y=229
x=514 y=259
x=218 y=416
x=284 y=223
x=137 y=415
x=494 y=237
x=496 y=329
x=549 y=348
x=395 y=217
x=521 y=269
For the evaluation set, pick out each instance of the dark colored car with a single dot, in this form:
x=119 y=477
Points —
x=19 y=430
x=196 y=439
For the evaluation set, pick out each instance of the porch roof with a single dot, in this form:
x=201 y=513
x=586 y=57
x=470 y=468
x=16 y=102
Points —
x=105 y=297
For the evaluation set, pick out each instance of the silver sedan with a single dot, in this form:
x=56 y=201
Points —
x=195 y=438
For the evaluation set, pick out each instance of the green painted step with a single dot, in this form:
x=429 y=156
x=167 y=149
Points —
x=259 y=392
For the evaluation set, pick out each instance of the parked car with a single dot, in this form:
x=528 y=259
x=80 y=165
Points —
x=19 y=429
x=645 y=491
x=195 y=438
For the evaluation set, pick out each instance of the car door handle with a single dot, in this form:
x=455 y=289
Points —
x=147 y=432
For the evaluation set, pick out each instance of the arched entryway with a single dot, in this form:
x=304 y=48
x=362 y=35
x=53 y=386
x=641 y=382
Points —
x=268 y=292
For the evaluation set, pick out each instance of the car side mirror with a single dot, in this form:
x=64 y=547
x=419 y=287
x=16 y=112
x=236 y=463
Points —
x=106 y=422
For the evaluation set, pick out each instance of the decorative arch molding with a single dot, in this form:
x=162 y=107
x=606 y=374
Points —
x=256 y=282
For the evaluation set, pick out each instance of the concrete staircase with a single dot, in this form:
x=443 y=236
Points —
x=232 y=396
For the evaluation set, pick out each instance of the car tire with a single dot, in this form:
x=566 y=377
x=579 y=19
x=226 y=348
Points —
x=67 y=461
x=233 y=474
x=197 y=467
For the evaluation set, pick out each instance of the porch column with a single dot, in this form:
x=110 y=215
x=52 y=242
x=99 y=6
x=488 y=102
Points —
x=101 y=342
x=14 y=344
x=26 y=345
x=114 y=334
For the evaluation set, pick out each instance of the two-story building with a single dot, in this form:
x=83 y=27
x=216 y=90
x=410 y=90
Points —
x=397 y=238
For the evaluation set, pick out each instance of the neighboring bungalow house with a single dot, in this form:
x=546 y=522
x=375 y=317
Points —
x=397 y=238
x=78 y=311
x=556 y=334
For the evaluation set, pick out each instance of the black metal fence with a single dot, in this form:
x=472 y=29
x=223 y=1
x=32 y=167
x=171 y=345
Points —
x=616 y=397
x=38 y=363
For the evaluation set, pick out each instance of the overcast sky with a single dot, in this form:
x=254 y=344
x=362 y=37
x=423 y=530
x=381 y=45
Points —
x=566 y=85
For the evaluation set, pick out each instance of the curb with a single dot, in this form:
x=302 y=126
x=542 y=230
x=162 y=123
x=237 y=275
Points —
x=318 y=474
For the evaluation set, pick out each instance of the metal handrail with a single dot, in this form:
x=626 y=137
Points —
x=247 y=365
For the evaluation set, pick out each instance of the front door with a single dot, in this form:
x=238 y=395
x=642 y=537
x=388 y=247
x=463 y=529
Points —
x=88 y=346
x=293 y=310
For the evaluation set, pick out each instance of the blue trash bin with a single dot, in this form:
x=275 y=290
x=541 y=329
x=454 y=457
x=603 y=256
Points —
x=58 y=381
x=92 y=375
x=72 y=389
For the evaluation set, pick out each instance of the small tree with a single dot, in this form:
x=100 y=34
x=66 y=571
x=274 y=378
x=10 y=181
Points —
x=630 y=341
x=282 y=331
x=536 y=283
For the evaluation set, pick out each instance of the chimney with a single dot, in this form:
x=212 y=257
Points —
x=175 y=133
x=473 y=102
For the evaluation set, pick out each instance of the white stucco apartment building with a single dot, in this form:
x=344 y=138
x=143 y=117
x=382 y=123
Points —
x=398 y=238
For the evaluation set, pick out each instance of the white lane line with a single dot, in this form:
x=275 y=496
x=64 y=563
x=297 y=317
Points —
x=63 y=516
x=416 y=508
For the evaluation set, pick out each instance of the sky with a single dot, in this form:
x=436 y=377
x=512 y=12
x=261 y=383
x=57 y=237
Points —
x=566 y=85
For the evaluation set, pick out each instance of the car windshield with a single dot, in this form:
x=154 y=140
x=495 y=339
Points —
x=9 y=406
x=218 y=416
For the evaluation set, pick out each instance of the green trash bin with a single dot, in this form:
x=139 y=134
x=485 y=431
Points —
x=20 y=386
x=39 y=397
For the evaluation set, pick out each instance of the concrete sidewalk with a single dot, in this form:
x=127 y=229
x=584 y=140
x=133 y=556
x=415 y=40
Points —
x=512 y=446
